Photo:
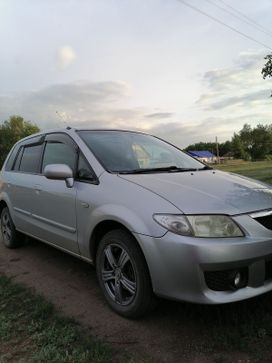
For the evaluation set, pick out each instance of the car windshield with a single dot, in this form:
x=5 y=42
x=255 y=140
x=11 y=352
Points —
x=132 y=153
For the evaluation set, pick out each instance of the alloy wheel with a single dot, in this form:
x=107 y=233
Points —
x=118 y=274
x=6 y=226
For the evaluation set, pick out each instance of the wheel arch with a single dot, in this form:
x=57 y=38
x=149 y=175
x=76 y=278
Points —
x=106 y=226
x=100 y=230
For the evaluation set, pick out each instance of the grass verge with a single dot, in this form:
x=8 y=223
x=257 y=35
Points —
x=32 y=331
x=244 y=327
x=260 y=170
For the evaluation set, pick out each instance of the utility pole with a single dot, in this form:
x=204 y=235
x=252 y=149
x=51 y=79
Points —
x=217 y=151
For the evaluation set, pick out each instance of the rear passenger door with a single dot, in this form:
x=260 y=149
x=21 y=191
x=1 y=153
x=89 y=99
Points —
x=21 y=179
x=54 y=204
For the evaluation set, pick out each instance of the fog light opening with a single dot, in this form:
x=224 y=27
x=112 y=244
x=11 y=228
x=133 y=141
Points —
x=238 y=279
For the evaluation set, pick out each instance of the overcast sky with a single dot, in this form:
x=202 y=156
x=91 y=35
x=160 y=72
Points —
x=153 y=65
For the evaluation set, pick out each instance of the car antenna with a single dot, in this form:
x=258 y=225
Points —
x=61 y=117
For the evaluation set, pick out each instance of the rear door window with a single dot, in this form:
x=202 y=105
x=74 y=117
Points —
x=30 y=162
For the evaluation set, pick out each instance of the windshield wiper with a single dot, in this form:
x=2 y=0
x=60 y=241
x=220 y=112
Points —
x=167 y=169
x=206 y=167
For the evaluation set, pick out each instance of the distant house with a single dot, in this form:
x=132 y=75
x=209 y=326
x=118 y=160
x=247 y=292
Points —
x=205 y=156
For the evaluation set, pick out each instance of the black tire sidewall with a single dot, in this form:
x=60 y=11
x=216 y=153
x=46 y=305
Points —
x=12 y=243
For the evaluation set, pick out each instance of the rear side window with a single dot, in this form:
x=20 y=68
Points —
x=30 y=162
x=11 y=158
x=59 y=153
x=18 y=159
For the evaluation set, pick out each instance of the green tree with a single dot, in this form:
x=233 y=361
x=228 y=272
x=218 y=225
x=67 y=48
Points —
x=225 y=148
x=13 y=130
x=261 y=142
x=238 y=149
x=267 y=68
x=246 y=139
x=252 y=143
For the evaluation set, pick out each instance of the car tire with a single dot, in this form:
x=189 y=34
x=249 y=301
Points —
x=123 y=275
x=10 y=237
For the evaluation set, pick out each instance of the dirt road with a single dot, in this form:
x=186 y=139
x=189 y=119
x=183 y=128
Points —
x=175 y=332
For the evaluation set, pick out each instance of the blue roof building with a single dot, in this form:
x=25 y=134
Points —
x=203 y=155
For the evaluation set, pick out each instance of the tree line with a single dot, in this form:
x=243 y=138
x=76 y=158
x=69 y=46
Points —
x=248 y=144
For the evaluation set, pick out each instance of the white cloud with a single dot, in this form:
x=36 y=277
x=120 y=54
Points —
x=159 y=115
x=65 y=57
x=92 y=104
x=241 y=81
x=237 y=94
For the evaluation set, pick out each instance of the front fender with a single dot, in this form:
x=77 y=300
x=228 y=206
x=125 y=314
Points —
x=115 y=213
x=116 y=199
x=132 y=221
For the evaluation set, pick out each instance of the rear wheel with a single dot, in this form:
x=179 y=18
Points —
x=123 y=275
x=10 y=237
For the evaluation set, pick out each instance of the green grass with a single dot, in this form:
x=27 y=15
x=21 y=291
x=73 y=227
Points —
x=260 y=170
x=32 y=331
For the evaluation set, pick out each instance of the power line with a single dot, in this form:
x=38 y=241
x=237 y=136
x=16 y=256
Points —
x=224 y=24
x=237 y=14
x=267 y=31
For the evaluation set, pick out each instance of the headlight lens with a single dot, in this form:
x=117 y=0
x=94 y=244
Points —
x=200 y=225
x=214 y=226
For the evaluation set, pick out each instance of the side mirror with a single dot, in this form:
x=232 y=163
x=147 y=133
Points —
x=60 y=172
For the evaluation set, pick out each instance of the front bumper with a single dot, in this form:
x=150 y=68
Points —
x=178 y=264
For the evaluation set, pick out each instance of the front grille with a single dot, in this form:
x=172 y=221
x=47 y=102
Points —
x=266 y=221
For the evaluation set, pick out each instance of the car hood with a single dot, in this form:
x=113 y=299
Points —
x=207 y=191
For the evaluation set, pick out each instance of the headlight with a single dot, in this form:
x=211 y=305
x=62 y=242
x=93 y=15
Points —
x=199 y=225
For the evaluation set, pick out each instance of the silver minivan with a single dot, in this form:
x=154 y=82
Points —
x=153 y=220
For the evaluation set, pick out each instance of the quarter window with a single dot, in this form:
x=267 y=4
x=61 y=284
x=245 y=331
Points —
x=11 y=159
x=59 y=153
x=30 y=162
x=84 y=172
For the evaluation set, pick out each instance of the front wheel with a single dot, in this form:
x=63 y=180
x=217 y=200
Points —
x=10 y=237
x=123 y=275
